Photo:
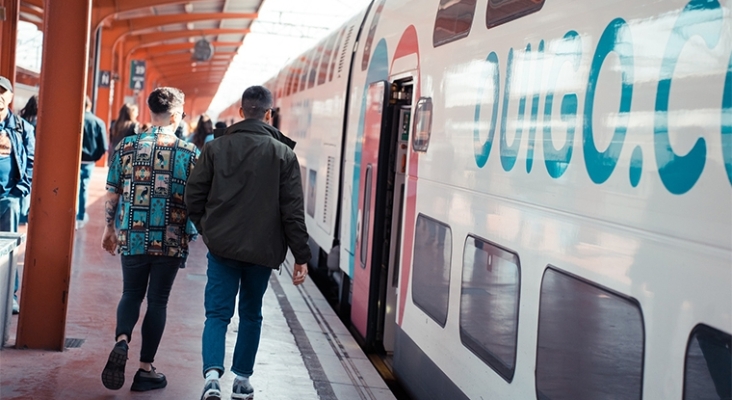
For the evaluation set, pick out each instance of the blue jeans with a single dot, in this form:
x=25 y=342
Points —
x=137 y=271
x=84 y=178
x=226 y=278
x=9 y=219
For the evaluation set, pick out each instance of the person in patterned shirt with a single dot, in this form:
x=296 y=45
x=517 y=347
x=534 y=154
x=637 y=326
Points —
x=148 y=175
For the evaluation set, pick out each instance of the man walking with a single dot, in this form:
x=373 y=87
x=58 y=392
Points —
x=93 y=147
x=245 y=197
x=17 y=152
x=148 y=172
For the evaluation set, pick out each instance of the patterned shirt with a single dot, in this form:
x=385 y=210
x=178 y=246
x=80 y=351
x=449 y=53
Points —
x=150 y=171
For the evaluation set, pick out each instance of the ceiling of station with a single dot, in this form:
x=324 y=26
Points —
x=164 y=32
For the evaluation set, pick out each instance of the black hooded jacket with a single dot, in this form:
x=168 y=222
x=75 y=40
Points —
x=245 y=196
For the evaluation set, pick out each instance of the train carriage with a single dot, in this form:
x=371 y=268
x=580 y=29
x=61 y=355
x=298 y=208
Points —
x=526 y=198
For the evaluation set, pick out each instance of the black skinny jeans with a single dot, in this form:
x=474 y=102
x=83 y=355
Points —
x=160 y=271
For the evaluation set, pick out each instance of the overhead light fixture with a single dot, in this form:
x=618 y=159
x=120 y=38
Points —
x=203 y=50
x=188 y=7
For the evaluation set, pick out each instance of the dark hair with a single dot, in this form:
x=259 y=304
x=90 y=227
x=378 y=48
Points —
x=255 y=102
x=31 y=108
x=164 y=99
x=220 y=125
x=124 y=122
x=204 y=127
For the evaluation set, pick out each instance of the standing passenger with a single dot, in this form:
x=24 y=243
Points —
x=17 y=153
x=245 y=197
x=30 y=114
x=149 y=173
x=125 y=125
x=93 y=147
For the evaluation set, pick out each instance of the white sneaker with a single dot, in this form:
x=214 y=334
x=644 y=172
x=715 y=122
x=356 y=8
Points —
x=212 y=390
x=242 y=390
x=16 y=306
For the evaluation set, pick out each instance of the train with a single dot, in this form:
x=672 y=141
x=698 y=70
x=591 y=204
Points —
x=525 y=199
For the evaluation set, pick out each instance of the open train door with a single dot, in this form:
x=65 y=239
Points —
x=362 y=309
x=380 y=210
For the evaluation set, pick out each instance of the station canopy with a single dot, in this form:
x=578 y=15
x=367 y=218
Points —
x=192 y=44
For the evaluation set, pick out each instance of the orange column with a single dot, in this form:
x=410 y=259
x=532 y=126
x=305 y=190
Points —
x=45 y=293
x=9 y=38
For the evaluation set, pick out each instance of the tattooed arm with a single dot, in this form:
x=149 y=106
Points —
x=109 y=239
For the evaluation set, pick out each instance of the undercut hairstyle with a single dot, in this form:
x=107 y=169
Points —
x=164 y=99
x=255 y=102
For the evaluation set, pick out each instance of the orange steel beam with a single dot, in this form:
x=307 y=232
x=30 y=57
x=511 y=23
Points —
x=8 y=38
x=32 y=10
x=162 y=48
x=42 y=324
x=195 y=78
x=122 y=27
x=183 y=59
x=104 y=9
x=174 y=71
x=132 y=43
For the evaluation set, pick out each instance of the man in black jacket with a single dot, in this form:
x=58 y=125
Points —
x=245 y=198
x=93 y=147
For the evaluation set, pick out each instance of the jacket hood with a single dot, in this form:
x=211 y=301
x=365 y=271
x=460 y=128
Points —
x=256 y=126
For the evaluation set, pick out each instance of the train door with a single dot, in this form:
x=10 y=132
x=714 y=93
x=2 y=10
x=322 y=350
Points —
x=382 y=171
x=374 y=121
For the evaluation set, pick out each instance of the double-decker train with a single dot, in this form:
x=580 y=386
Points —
x=526 y=198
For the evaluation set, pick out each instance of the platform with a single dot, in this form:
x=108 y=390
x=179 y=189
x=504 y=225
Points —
x=305 y=353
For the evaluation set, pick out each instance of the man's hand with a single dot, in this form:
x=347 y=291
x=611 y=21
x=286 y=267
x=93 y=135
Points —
x=299 y=274
x=109 y=240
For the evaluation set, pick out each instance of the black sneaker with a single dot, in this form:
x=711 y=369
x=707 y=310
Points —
x=113 y=375
x=212 y=390
x=148 y=380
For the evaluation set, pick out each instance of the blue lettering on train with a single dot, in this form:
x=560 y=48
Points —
x=678 y=173
x=616 y=38
x=556 y=160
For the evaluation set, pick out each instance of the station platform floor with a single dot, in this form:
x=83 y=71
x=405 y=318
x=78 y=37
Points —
x=305 y=352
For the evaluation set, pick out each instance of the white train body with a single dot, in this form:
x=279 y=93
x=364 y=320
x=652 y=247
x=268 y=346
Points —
x=566 y=217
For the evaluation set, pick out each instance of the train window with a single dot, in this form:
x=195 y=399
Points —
x=314 y=64
x=453 y=21
x=708 y=371
x=303 y=178
x=288 y=81
x=366 y=216
x=370 y=38
x=325 y=60
x=489 y=303
x=296 y=76
x=422 y=125
x=431 y=276
x=502 y=11
x=590 y=343
x=305 y=65
x=312 y=185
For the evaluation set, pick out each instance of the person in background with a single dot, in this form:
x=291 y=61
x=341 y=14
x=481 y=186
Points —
x=220 y=125
x=30 y=114
x=245 y=198
x=125 y=125
x=203 y=132
x=17 y=153
x=147 y=175
x=93 y=147
x=30 y=111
